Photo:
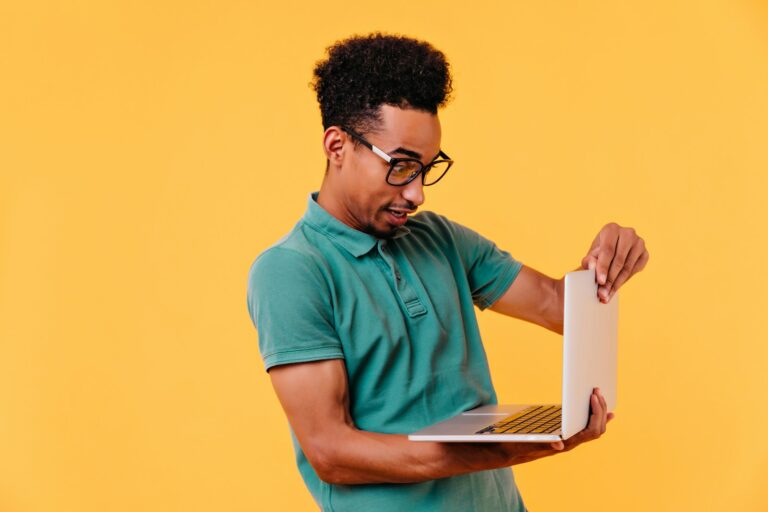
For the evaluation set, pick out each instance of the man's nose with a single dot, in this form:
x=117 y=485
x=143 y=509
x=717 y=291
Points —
x=414 y=192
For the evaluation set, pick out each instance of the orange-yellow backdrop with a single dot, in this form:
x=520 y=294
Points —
x=150 y=150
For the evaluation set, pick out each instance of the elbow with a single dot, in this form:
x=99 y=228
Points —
x=325 y=469
x=330 y=477
x=325 y=461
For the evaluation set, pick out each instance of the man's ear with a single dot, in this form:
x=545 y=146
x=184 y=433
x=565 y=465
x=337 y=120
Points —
x=334 y=142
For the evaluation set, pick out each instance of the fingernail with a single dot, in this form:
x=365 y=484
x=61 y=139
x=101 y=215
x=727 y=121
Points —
x=601 y=278
x=591 y=265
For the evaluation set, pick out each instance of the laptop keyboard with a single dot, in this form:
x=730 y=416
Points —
x=537 y=419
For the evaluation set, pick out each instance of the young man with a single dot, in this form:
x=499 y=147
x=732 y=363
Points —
x=365 y=310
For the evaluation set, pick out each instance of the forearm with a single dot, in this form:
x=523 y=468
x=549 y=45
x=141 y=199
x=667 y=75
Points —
x=534 y=297
x=315 y=398
x=555 y=311
x=359 y=457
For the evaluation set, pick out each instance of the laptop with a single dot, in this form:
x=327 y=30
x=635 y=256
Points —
x=590 y=333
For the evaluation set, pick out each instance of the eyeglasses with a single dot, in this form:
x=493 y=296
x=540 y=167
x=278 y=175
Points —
x=402 y=171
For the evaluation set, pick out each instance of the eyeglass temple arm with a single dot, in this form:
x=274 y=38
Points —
x=367 y=144
x=380 y=152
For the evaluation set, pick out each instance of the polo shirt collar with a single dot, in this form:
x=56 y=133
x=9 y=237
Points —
x=355 y=242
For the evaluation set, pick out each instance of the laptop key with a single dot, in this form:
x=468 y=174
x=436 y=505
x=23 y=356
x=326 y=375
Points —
x=534 y=419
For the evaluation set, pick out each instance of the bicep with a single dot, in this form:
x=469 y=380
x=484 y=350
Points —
x=533 y=297
x=291 y=306
x=315 y=398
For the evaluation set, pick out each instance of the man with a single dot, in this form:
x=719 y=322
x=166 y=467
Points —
x=365 y=310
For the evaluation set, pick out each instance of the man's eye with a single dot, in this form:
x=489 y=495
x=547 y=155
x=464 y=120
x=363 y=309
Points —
x=404 y=168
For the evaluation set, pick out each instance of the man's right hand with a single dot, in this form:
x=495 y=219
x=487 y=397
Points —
x=598 y=418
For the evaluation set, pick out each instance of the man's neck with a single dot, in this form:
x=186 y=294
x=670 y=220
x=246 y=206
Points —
x=327 y=200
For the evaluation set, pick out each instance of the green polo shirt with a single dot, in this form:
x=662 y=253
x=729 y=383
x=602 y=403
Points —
x=401 y=313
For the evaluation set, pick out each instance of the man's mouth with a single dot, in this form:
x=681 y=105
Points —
x=400 y=212
x=399 y=215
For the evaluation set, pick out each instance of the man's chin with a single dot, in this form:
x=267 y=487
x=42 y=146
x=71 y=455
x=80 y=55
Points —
x=377 y=232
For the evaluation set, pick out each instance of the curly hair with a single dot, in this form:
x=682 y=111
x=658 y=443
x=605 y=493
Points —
x=362 y=73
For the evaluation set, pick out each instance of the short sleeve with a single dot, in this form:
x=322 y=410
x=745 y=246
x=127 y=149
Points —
x=490 y=270
x=290 y=306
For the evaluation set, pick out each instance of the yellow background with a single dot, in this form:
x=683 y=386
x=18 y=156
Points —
x=150 y=150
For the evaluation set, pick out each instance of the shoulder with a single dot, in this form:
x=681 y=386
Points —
x=441 y=228
x=429 y=220
x=293 y=259
x=432 y=224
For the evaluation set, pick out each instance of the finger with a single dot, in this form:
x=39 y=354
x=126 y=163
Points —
x=639 y=265
x=595 y=420
x=557 y=445
x=603 y=413
x=599 y=413
x=631 y=267
x=583 y=436
x=642 y=261
x=608 y=240
x=604 y=416
x=595 y=244
x=626 y=241
x=630 y=263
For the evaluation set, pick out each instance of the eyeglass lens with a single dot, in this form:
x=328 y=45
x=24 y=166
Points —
x=405 y=171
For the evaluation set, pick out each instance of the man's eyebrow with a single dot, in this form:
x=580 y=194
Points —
x=407 y=152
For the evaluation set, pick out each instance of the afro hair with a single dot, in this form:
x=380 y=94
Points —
x=362 y=73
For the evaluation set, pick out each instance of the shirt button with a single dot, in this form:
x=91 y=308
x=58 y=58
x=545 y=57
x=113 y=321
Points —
x=397 y=275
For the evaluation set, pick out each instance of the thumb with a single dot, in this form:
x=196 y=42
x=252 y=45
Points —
x=589 y=262
x=557 y=445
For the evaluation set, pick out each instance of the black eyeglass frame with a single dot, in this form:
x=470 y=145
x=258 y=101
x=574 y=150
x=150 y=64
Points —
x=393 y=161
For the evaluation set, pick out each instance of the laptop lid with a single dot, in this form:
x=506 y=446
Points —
x=590 y=336
x=589 y=360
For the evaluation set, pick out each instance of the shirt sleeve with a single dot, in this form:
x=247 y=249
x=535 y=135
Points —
x=490 y=271
x=290 y=306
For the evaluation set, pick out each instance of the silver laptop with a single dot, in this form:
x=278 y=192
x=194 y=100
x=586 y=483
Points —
x=589 y=361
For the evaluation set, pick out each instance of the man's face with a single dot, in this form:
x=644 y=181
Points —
x=368 y=203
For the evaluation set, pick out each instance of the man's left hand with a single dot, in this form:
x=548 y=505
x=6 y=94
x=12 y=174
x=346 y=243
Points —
x=617 y=253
